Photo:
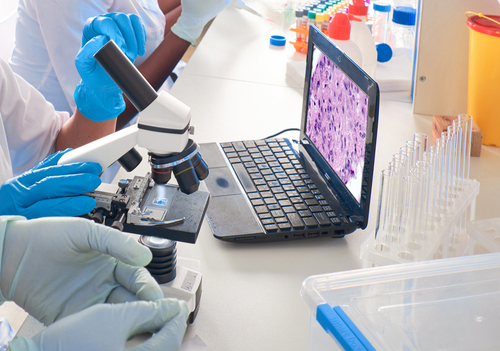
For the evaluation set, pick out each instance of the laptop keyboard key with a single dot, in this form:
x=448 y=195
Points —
x=271 y=228
x=316 y=208
x=267 y=221
x=295 y=220
x=310 y=221
x=305 y=213
x=284 y=226
x=261 y=209
x=322 y=218
x=257 y=202
x=239 y=146
x=301 y=206
x=244 y=178
x=277 y=213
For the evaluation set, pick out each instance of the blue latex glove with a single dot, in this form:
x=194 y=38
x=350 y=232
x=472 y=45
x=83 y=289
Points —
x=108 y=327
x=97 y=96
x=195 y=15
x=55 y=267
x=51 y=190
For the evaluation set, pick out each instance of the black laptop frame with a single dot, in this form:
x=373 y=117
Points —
x=359 y=211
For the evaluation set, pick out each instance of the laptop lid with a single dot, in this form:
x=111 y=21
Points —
x=339 y=124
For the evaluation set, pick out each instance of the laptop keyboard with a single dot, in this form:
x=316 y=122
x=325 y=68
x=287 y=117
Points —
x=278 y=187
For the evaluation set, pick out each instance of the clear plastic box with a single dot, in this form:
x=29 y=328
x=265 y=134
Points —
x=446 y=304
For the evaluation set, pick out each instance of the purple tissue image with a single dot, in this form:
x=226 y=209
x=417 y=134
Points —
x=337 y=120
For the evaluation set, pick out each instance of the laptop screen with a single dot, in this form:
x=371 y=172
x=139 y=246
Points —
x=337 y=120
x=339 y=123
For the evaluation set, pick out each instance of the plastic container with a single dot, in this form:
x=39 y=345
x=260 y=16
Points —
x=381 y=13
x=362 y=36
x=447 y=304
x=402 y=35
x=298 y=24
x=322 y=22
x=311 y=18
x=484 y=76
x=339 y=32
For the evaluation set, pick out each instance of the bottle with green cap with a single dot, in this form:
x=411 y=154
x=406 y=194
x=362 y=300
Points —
x=311 y=18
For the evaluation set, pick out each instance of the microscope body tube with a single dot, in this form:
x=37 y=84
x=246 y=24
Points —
x=123 y=72
x=159 y=114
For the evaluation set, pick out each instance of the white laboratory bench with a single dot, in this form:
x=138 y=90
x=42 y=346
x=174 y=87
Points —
x=236 y=86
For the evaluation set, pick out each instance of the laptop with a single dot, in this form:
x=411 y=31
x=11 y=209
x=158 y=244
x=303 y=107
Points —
x=278 y=190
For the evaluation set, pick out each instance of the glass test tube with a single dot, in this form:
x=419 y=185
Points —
x=467 y=120
x=453 y=159
x=385 y=213
x=409 y=205
x=422 y=138
x=425 y=184
x=458 y=131
x=415 y=146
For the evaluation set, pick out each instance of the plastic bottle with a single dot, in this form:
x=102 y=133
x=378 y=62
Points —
x=381 y=11
x=362 y=36
x=322 y=22
x=311 y=18
x=298 y=24
x=402 y=35
x=339 y=32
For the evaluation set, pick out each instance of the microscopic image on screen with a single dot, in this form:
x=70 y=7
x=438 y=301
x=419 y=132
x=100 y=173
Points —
x=336 y=121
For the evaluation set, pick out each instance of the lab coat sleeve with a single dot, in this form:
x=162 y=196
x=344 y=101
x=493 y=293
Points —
x=61 y=24
x=30 y=122
x=4 y=221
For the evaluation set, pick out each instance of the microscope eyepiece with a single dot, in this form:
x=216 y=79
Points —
x=188 y=168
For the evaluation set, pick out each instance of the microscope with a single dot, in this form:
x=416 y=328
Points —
x=146 y=205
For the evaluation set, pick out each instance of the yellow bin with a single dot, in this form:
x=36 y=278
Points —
x=483 y=102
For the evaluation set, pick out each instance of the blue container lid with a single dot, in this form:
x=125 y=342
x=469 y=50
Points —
x=384 y=52
x=299 y=13
x=381 y=7
x=404 y=15
x=277 y=40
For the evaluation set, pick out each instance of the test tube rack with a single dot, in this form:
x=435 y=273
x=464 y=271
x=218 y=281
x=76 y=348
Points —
x=486 y=232
x=449 y=238
x=425 y=200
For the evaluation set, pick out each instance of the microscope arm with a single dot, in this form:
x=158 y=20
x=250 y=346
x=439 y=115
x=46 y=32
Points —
x=106 y=150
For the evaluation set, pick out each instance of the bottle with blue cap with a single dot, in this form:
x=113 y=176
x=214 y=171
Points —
x=381 y=13
x=402 y=35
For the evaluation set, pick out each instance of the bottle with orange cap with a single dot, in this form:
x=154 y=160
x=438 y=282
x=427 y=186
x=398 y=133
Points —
x=362 y=36
x=339 y=32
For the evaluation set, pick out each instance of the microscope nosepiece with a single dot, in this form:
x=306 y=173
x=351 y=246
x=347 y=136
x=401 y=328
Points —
x=188 y=168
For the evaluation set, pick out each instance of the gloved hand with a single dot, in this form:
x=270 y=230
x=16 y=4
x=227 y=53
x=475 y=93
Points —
x=97 y=96
x=195 y=15
x=108 y=327
x=54 y=267
x=51 y=190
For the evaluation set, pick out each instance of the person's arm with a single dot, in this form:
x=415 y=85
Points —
x=80 y=130
x=188 y=27
x=167 y=6
x=31 y=124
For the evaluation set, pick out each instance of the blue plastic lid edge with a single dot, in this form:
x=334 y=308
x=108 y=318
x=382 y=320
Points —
x=336 y=323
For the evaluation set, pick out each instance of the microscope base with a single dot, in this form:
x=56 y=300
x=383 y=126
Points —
x=186 y=285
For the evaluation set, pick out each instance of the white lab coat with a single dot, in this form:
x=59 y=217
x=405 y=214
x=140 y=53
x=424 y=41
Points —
x=29 y=125
x=49 y=36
